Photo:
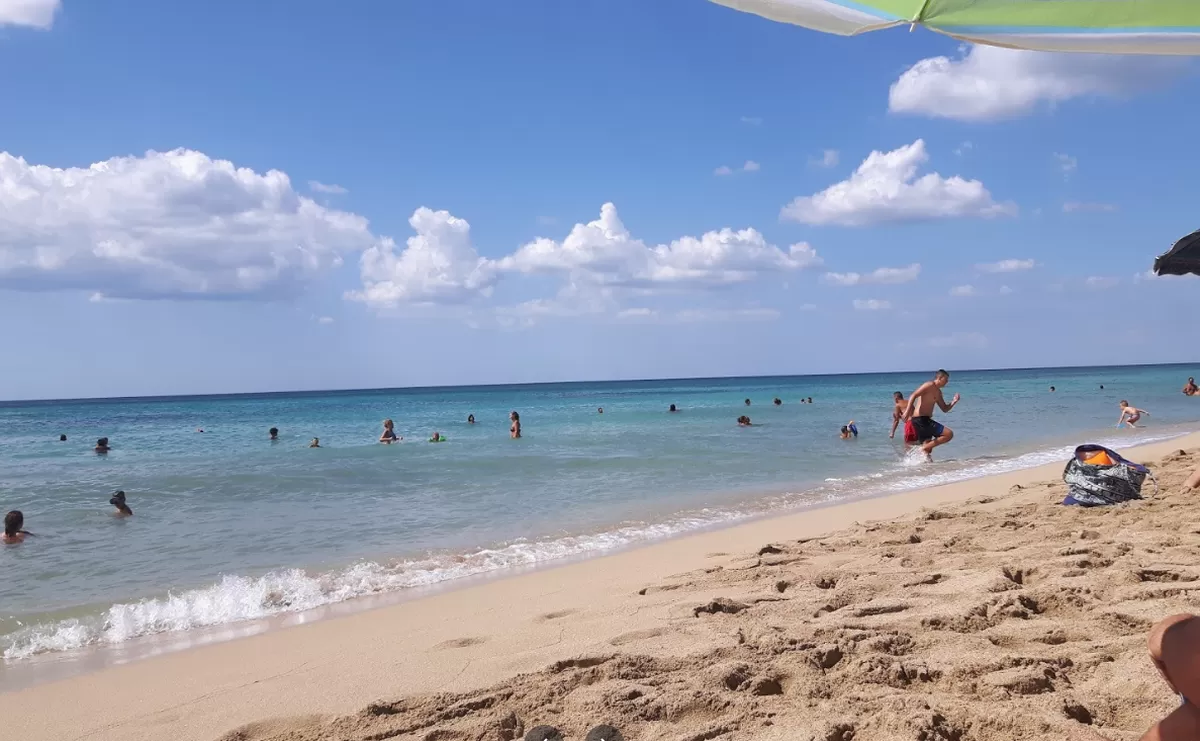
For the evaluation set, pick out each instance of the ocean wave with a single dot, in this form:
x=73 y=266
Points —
x=235 y=599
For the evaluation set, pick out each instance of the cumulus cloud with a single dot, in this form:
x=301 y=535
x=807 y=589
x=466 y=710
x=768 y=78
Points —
x=723 y=170
x=962 y=291
x=317 y=186
x=603 y=252
x=688 y=316
x=439 y=264
x=885 y=188
x=871 y=304
x=751 y=166
x=1005 y=266
x=29 y=13
x=172 y=224
x=879 y=276
x=971 y=340
x=985 y=83
x=1071 y=207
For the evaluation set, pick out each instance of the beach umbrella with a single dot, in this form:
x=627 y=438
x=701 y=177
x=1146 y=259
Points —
x=1182 y=258
x=1100 y=26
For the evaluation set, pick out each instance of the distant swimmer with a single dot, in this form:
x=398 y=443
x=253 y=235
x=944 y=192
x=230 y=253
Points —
x=898 y=404
x=389 y=433
x=744 y=421
x=274 y=433
x=102 y=445
x=470 y=419
x=600 y=410
x=810 y=400
x=1130 y=414
x=316 y=443
x=928 y=396
x=514 y=429
x=62 y=438
x=1052 y=389
x=1101 y=387
x=672 y=409
x=14 y=528
x=118 y=501
x=437 y=437
x=747 y=402
x=850 y=430
x=1189 y=389
x=778 y=402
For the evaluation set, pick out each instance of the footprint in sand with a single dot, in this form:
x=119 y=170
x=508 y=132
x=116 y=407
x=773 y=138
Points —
x=459 y=643
x=557 y=614
x=637 y=635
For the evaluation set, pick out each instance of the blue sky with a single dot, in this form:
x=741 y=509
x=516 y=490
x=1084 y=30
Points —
x=1015 y=200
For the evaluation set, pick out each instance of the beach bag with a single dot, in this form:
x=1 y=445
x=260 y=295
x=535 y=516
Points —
x=1096 y=476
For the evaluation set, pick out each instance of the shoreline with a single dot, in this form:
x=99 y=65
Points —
x=384 y=582
x=501 y=627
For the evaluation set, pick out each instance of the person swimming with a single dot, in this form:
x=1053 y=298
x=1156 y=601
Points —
x=600 y=410
x=470 y=419
x=778 y=402
x=744 y=421
x=1130 y=414
x=102 y=445
x=514 y=429
x=1052 y=389
x=389 y=433
x=62 y=438
x=746 y=402
x=316 y=443
x=118 y=501
x=437 y=437
x=672 y=409
x=810 y=400
x=274 y=433
x=1190 y=388
x=849 y=430
x=14 y=528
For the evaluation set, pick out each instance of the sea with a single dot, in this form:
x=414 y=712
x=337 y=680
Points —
x=233 y=533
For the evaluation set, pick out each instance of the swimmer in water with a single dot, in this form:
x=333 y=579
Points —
x=470 y=419
x=898 y=404
x=747 y=402
x=672 y=409
x=600 y=410
x=744 y=421
x=1130 y=414
x=1052 y=389
x=437 y=437
x=810 y=400
x=1189 y=389
x=778 y=402
x=118 y=501
x=14 y=528
x=274 y=433
x=514 y=429
x=850 y=431
x=62 y=438
x=316 y=443
x=389 y=433
x=102 y=445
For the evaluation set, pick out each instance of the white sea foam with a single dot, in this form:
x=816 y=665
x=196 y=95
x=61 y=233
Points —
x=235 y=599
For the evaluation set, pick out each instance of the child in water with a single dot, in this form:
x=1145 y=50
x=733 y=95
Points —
x=1130 y=414
x=850 y=430
x=102 y=445
x=316 y=443
x=437 y=437
x=14 y=528
x=118 y=501
x=744 y=421
x=389 y=433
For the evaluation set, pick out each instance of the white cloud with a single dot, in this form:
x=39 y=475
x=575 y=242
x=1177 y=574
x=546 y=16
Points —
x=603 y=252
x=752 y=120
x=751 y=166
x=31 y=13
x=986 y=83
x=872 y=304
x=166 y=225
x=828 y=158
x=637 y=312
x=325 y=320
x=879 y=276
x=962 y=291
x=885 y=188
x=1101 y=282
x=962 y=149
x=690 y=316
x=1005 y=266
x=438 y=265
x=1066 y=163
x=317 y=186
x=1005 y=290
x=1071 y=207
x=723 y=170
x=971 y=340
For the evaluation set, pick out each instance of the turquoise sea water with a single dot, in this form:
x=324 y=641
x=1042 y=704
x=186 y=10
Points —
x=230 y=527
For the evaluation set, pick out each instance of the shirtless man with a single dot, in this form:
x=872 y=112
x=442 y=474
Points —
x=898 y=404
x=920 y=407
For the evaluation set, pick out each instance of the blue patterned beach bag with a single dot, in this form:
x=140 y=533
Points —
x=1097 y=476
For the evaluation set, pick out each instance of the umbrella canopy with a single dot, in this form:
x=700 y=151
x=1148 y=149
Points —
x=1101 y=26
x=1181 y=259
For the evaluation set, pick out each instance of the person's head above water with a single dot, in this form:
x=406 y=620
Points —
x=102 y=444
x=62 y=438
x=470 y=419
x=388 y=424
x=672 y=409
x=118 y=501
x=941 y=378
x=1051 y=388
x=316 y=443
x=599 y=410
x=747 y=402
x=778 y=401
x=13 y=522
x=274 y=433
x=514 y=416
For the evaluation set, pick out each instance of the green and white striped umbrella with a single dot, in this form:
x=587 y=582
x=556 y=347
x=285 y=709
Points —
x=1102 y=26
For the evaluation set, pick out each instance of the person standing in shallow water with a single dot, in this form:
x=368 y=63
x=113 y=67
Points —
x=898 y=405
x=389 y=433
x=514 y=430
x=924 y=400
x=274 y=433
x=118 y=501
x=102 y=445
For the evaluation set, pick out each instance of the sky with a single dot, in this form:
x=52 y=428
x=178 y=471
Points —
x=230 y=197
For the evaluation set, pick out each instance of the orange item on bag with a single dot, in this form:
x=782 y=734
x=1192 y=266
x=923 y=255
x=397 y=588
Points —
x=1099 y=459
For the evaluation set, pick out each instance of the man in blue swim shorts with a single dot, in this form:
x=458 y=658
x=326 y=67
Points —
x=928 y=395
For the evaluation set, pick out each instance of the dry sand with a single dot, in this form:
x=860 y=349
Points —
x=982 y=611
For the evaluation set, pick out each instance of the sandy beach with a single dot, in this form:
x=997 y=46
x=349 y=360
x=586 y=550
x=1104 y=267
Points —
x=979 y=610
